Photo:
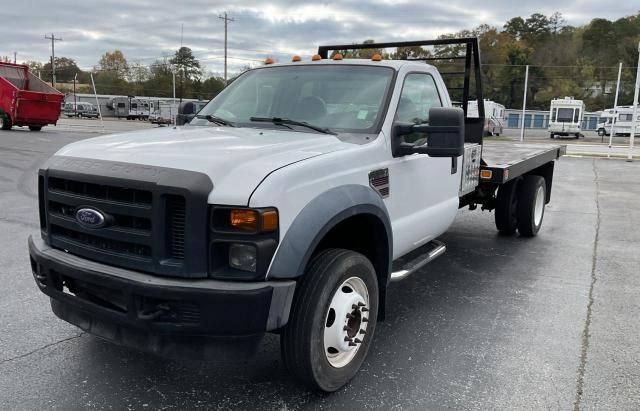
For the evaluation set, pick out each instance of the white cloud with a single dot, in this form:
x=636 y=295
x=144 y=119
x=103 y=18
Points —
x=146 y=30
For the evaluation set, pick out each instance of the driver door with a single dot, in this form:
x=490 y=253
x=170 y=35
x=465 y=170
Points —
x=424 y=190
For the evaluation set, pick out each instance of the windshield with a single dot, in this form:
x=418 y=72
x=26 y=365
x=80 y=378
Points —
x=565 y=114
x=347 y=98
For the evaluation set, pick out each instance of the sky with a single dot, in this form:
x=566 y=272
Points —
x=146 y=30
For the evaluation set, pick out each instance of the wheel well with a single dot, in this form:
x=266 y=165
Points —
x=367 y=235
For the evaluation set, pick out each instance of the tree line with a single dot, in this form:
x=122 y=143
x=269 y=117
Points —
x=564 y=60
x=114 y=74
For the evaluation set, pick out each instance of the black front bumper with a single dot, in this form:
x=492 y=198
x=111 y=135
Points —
x=175 y=318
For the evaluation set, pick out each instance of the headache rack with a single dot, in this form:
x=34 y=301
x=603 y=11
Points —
x=461 y=56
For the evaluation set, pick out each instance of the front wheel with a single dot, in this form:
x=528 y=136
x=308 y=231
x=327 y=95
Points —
x=532 y=196
x=333 y=319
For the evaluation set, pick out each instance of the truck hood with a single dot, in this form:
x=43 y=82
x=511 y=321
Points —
x=235 y=159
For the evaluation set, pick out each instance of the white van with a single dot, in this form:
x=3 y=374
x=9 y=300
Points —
x=565 y=117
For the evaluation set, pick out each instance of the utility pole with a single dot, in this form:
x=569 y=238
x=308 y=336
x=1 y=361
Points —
x=15 y=57
x=226 y=23
x=53 y=57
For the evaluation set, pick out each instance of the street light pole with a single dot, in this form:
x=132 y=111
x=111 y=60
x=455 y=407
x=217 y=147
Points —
x=612 y=132
x=634 y=119
x=524 y=102
x=75 y=100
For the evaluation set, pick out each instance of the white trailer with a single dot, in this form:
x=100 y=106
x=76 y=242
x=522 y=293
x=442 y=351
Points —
x=494 y=116
x=565 y=117
x=132 y=108
x=619 y=119
x=165 y=113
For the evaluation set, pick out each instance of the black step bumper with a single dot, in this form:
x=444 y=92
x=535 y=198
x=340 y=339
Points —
x=171 y=317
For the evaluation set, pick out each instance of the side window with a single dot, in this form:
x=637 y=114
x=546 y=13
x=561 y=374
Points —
x=419 y=94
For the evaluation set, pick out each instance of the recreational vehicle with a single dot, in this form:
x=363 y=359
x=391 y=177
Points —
x=565 y=117
x=132 y=108
x=618 y=119
x=493 y=116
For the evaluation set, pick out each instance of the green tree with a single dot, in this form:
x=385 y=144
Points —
x=66 y=69
x=115 y=63
x=188 y=70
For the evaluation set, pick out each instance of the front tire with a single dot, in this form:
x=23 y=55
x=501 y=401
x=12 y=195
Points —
x=532 y=195
x=332 y=321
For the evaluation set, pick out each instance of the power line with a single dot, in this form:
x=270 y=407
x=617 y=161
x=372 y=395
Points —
x=226 y=23
x=53 y=57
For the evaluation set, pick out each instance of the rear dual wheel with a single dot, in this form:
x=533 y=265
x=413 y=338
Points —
x=520 y=206
x=332 y=321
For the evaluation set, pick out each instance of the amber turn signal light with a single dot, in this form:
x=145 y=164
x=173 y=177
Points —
x=270 y=220
x=245 y=220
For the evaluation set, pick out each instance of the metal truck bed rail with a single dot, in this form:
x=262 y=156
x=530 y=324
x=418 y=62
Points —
x=506 y=161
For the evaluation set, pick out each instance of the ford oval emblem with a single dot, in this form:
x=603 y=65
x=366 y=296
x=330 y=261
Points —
x=90 y=217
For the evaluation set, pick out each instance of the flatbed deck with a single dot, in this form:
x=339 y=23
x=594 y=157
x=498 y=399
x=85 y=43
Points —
x=508 y=160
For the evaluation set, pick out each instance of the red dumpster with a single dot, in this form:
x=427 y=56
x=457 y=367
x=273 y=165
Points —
x=25 y=100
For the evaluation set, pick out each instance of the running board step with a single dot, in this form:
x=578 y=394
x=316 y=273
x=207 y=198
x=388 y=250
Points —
x=415 y=260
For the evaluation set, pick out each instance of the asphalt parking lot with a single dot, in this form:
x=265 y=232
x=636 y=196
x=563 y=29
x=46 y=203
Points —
x=497 y=322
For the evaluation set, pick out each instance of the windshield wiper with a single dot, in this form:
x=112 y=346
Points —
x=217 y=120
x=287 y=121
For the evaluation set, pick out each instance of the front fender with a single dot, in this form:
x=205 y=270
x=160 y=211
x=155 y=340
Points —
x=317 y=218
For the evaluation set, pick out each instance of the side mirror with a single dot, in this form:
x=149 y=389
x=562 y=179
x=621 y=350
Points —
x=445 y=134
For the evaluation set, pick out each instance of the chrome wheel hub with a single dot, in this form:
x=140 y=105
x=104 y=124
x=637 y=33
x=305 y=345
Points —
x=346 y=322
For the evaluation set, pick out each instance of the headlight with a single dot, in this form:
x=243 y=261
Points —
x=242 y=242
x=243 y=257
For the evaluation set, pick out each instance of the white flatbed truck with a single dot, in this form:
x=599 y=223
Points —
x=287 y=206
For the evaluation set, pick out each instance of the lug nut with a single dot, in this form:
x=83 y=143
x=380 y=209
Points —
x=345 y=328
x=362 y=331
x=357 y=341
x=352 y=344
x=347 y=339
x=365 y=309
x=361 y=304
x=365 y=320
x=350 y=316
x=354 y=307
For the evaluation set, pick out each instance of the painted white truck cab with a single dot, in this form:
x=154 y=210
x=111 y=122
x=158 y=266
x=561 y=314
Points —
x=287 y=205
